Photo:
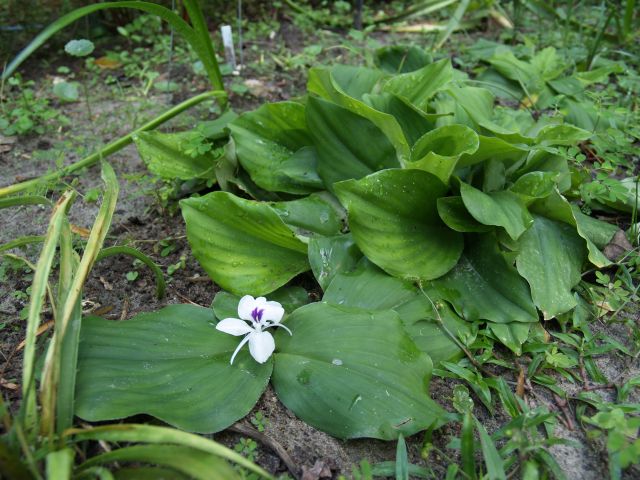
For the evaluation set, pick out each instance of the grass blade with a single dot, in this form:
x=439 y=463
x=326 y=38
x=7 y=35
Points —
x=67 y=334
x=24 y=200
x=207 y=54
x=453 y=23
x=60 y=464
x=28 y=413
x=160 y=283
x=21 y=241
x=466 y=446
x=402 y=460
x=153 y=434
x=495 y=467
x=192 y=462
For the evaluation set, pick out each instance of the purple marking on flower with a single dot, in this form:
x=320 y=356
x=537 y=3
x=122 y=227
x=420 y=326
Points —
x=256 y=314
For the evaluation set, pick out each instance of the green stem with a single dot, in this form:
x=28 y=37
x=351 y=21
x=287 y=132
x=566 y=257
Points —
x=110 y=148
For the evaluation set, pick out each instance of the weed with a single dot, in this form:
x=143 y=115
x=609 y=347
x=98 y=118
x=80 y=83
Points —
x=24 y=111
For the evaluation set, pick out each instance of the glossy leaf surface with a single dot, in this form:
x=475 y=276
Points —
x=172 y=364
x=394 y=220
x=243 y=245
x=353 y=373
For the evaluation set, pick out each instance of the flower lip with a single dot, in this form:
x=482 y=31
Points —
x=256 y=314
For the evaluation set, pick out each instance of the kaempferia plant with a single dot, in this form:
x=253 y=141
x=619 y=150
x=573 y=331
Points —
x=422 y=210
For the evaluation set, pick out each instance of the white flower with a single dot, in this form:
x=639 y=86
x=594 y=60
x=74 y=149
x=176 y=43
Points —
x=261 y=314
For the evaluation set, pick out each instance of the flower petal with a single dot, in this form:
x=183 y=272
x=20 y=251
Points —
x=238 y=348
x=261 y=346
x=233 y=326
x=272 y=311
x=246 y=306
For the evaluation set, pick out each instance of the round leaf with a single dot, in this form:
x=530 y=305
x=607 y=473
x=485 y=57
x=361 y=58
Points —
x=353 y=373
x=172 y=364
x=79 y=48
x=394 y=220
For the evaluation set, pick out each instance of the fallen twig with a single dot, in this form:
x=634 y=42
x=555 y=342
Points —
x=249 y=431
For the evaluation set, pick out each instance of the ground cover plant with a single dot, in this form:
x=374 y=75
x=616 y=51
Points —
x=396 y=222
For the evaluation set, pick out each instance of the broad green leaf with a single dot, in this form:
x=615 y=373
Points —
x=318 y=213
x=494 y=176
x=569 y=86
x=544 y=161
x=599 y=232
x=439 y=150
x=550 y=256
x=225 y=304
x=557 y=207
x=323 y=83
x=535 y=185
x=501 y=209
x=244 y=246
x=172 y=364
x=500 y=86
x=329 y=256
x=419 y=86
x=353 y=373
x=394 y=220
x=513 y=334
x=453 y=212
x=272 y=145
x=485 y=286
x=435 y=338
x=493 y=148
x=164 y=155
x=348 y=144
x=548 y=63
x=370 y=288
x=354 y=81
x=217 y=129
x=401 y=58
x=564 y=134
x=472 y=105
x=192 y=462
x=525 y=74
x=413 y=121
